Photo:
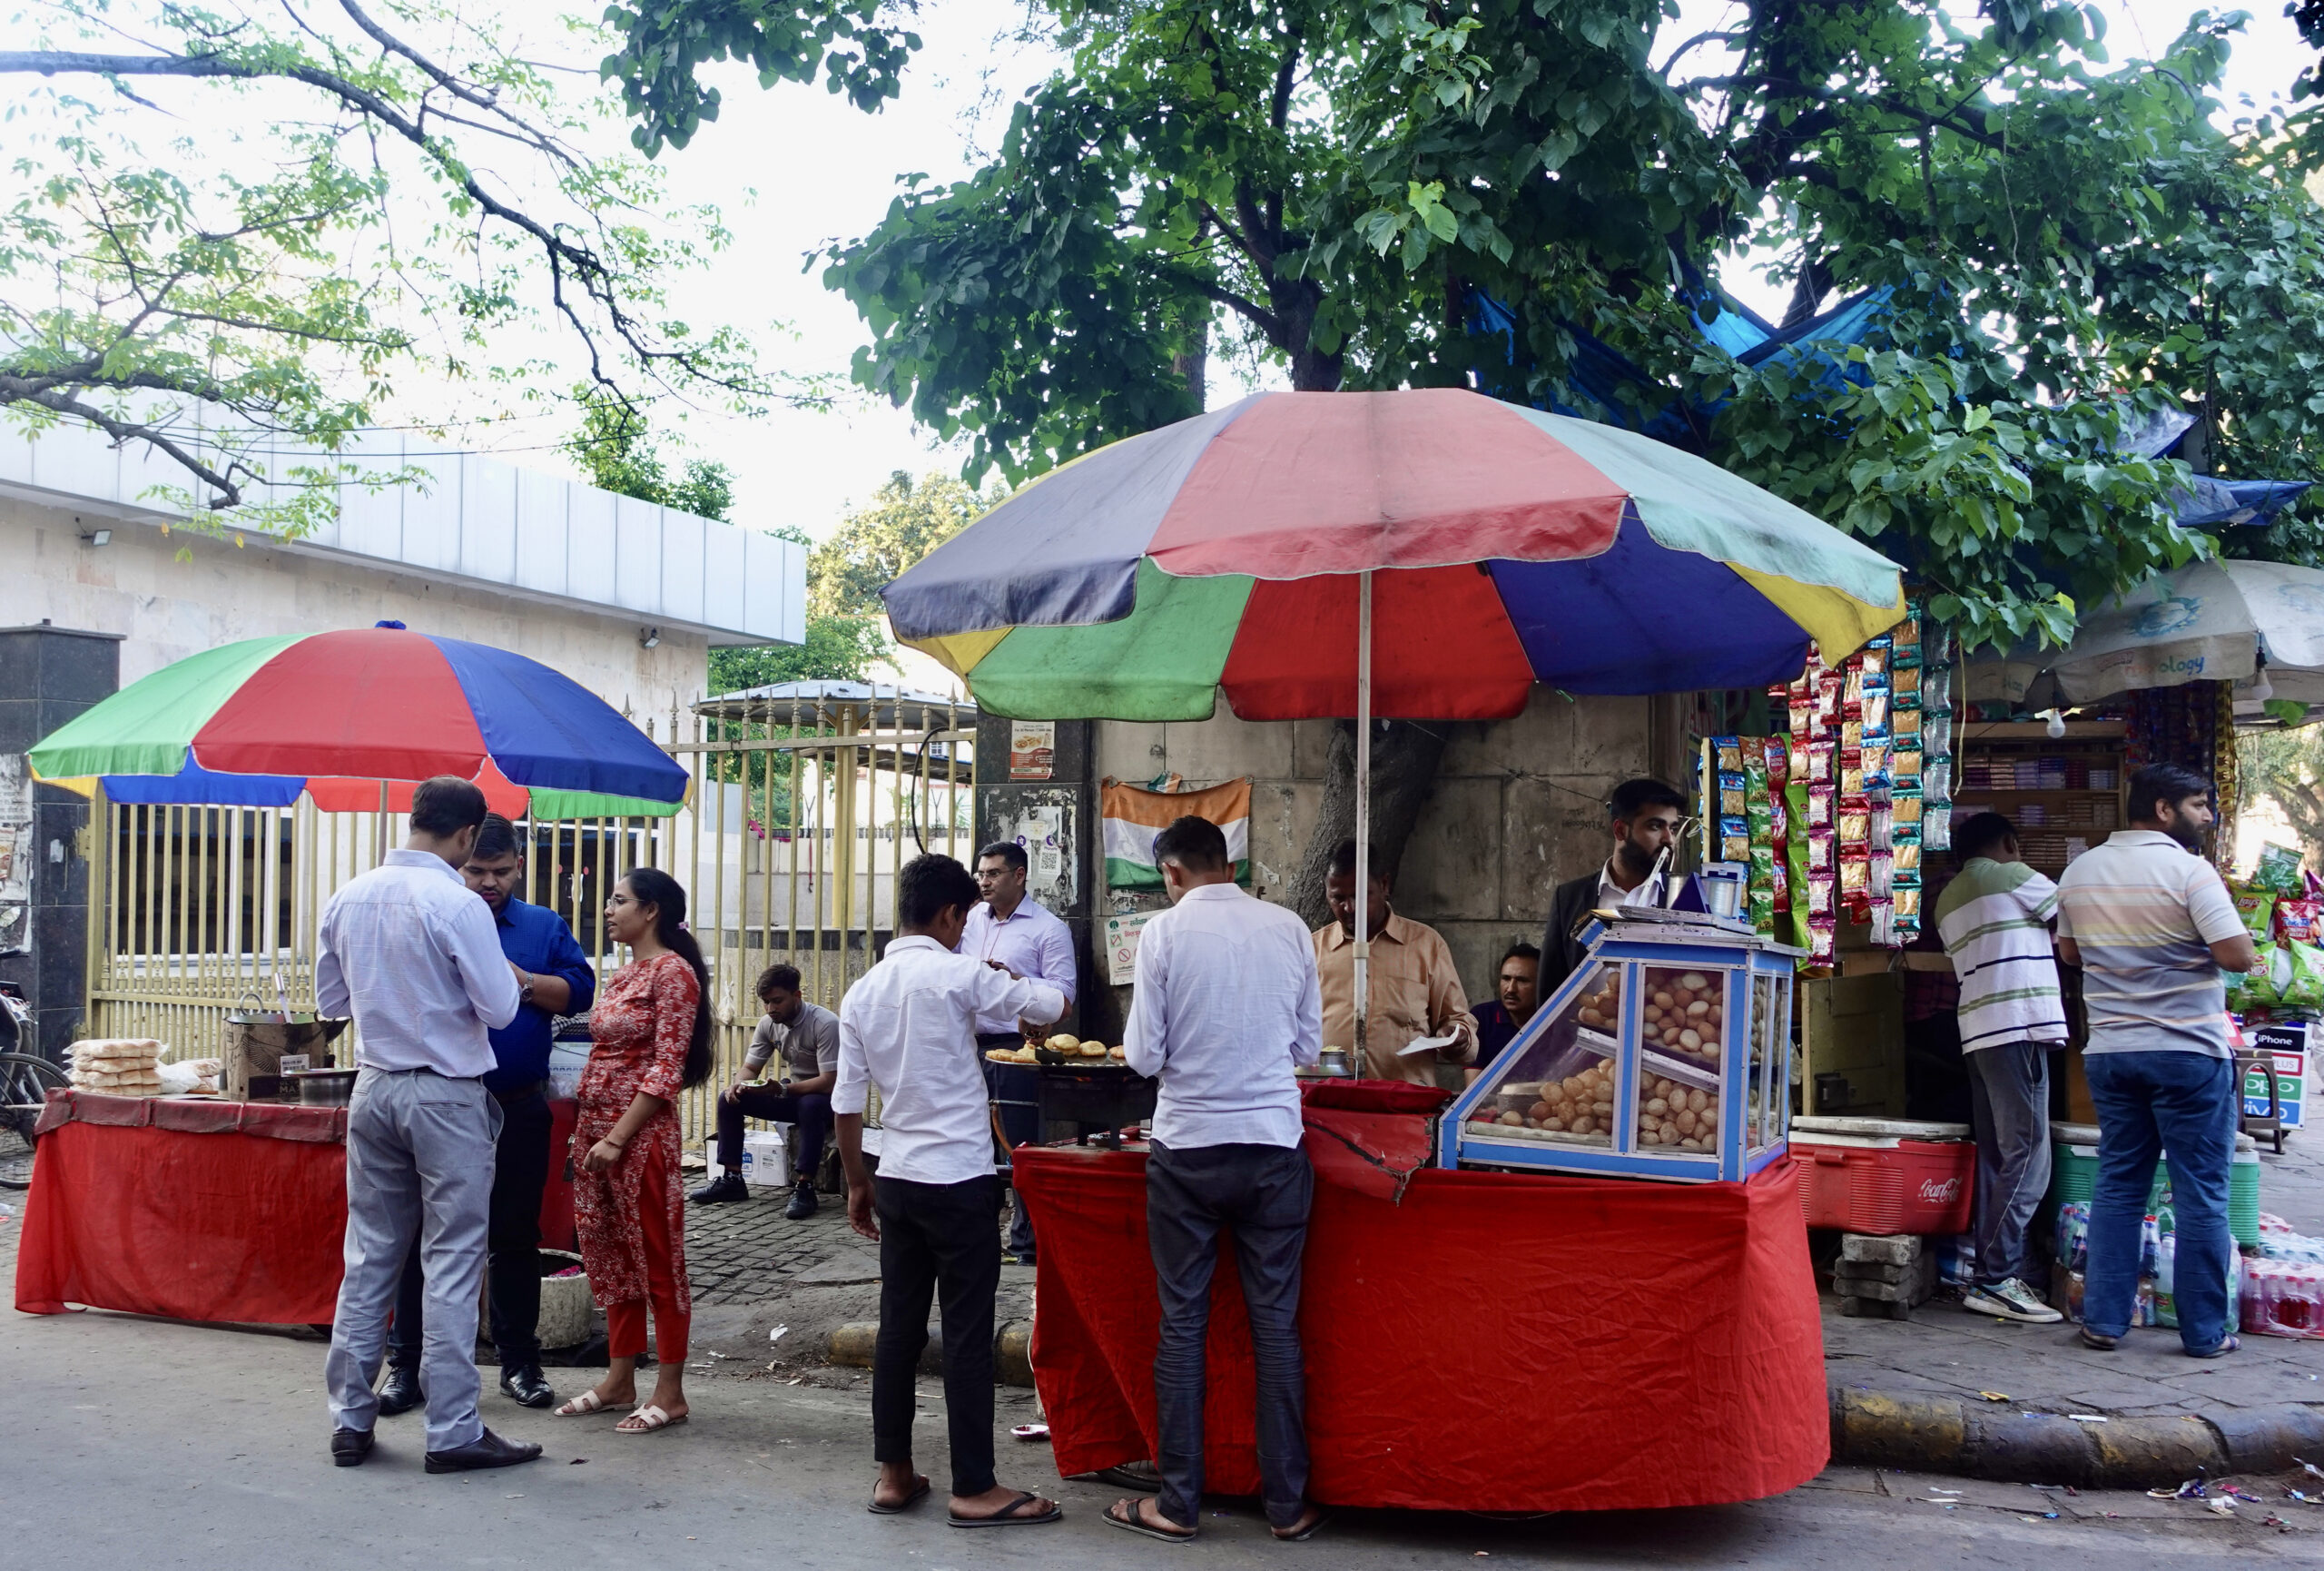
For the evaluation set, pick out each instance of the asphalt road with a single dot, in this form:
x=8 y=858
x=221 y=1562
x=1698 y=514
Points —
x=143 y=1444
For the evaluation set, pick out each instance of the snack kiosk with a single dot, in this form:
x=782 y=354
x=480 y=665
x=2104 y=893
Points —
x=1666 y=1055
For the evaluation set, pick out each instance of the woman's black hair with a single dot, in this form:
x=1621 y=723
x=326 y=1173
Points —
x=651 y=886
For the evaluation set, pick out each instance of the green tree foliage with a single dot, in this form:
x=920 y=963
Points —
x=346 y=199
x=1328 y=188
x=905 y=520
x=618 y=453
x=2286 y=768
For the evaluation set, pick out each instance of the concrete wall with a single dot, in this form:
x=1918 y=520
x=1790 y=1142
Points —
x=166 y=609
x=1519 y=807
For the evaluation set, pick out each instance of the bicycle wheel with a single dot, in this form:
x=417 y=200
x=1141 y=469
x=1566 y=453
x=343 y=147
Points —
x=25 y=1084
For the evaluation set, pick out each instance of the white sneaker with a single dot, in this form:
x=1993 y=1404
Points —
x=2011 y=1300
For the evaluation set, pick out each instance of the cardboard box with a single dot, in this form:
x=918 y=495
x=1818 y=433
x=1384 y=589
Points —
x=765 y=1165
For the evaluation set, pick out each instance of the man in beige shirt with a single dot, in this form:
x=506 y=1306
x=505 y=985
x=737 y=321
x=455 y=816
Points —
x=1415 y=990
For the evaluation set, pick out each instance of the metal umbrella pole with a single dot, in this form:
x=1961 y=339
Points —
x=1363 y=818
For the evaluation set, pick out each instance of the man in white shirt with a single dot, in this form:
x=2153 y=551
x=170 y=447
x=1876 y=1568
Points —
x=416 y=959
x=1024 y=938
x=1228 y=1003
x=910 y=1027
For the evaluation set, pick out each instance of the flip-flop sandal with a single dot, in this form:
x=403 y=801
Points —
x=1134 y=1521
x=2227 y=1345
x=2098 y=1341
x=586 y=1402
x=1304 y=1534
x=647 y=1419
x=1007 y=1516
x=918 y=1493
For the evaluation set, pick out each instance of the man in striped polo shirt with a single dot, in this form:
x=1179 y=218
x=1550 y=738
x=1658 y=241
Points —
x=1994 y=918
x=2149 y=923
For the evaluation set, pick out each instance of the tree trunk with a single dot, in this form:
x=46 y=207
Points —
x=1405 y=757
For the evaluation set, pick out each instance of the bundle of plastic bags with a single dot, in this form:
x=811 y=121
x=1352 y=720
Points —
x=117 y=1066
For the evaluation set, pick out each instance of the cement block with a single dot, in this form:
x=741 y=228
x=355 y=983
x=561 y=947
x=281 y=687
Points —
x=1283 y=815
x=1551 y=830
x=1224 y=747
x=1900 y=1250
x=1538 y=742
x=1131 y=752
x=1451 y=872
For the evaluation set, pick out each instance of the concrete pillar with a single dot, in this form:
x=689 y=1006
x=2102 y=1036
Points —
x=47 y=676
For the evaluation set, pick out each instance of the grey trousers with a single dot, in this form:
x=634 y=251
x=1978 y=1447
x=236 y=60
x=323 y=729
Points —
x=419 y=1161
x=2009 y=1104
x=1260 y=1192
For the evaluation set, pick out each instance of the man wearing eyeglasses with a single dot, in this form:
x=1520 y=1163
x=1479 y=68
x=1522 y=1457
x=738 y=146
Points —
x=1646 y=820
x=1010 y=933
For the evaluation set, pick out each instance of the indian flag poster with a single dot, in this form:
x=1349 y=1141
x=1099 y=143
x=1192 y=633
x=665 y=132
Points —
x=1133 y=817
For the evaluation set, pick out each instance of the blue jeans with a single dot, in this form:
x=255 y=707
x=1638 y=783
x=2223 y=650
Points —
x=2150 y=1102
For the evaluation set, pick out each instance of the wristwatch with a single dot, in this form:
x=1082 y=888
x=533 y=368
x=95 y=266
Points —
x=525 y=988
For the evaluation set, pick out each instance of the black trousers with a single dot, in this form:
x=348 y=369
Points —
x=937 y=1238
x=812 y=1114
x=1262 y=1193
x=519 y=1174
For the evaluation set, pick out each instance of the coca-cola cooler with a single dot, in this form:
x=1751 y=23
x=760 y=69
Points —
x=1885 y=1176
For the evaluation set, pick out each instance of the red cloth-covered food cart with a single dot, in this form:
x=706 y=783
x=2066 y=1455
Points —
x=202 y=1210
x=1474 y=1340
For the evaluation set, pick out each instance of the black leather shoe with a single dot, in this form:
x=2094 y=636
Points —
x=725 y=1187
x=802 y=1201
x=525 y=1384
x=400 y=1393
x=350 y=1447
x=489 y=1450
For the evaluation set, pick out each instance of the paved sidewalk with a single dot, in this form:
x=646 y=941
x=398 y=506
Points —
x=1944 y=1351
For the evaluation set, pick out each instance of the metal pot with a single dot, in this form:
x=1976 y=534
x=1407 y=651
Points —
x=325 y=1087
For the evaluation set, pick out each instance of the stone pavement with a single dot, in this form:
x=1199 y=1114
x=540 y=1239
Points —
x=1945 y=1352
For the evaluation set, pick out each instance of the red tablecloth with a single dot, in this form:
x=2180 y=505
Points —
x=202 y=1210
x=1489 y=1341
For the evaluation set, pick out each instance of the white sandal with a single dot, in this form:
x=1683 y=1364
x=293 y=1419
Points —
x=647 y=1419
x=587 y=1401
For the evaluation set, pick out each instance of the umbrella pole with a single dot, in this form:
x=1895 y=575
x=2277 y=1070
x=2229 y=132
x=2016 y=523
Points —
x=1362 y=817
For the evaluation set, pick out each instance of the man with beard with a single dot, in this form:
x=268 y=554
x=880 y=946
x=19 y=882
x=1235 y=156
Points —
x=1647 y=814
x=2151 y=924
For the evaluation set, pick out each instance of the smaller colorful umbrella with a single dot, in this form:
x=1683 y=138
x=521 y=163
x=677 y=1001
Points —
x=355 y=719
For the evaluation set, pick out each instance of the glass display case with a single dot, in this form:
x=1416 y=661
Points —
x=1667 y=1054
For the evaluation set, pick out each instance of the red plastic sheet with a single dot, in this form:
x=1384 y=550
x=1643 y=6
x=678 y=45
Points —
x=193 y=1226
x=1492 y=1343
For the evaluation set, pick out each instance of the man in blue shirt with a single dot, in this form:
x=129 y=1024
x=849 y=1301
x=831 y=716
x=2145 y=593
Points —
x=555 y=978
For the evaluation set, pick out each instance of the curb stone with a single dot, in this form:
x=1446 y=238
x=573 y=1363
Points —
x=1941 y=1435
x=1012 y=1346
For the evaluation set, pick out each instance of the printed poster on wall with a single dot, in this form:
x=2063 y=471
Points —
x=1032 y=749
x=17 y=850
x=1121 y=945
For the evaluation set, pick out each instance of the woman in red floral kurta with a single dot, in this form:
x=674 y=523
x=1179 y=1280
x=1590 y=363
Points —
x=651 y=1035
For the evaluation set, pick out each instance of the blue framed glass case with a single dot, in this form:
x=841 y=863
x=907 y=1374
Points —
x=1666 y=1055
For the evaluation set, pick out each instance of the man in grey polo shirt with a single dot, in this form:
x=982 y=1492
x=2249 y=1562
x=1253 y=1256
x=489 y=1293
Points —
x=2151 y=924
x=416 y=959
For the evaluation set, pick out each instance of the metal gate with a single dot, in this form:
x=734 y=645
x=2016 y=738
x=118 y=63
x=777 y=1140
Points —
x=807 y=800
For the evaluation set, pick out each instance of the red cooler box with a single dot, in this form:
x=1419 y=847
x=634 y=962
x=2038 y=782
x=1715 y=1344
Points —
x=1879 y=1175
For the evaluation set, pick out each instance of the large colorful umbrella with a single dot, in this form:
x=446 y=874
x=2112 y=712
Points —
x=1268 y=548
x=355 y=719
x=1508 y=547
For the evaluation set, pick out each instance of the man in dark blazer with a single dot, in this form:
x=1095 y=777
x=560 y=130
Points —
x=1647 y=816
